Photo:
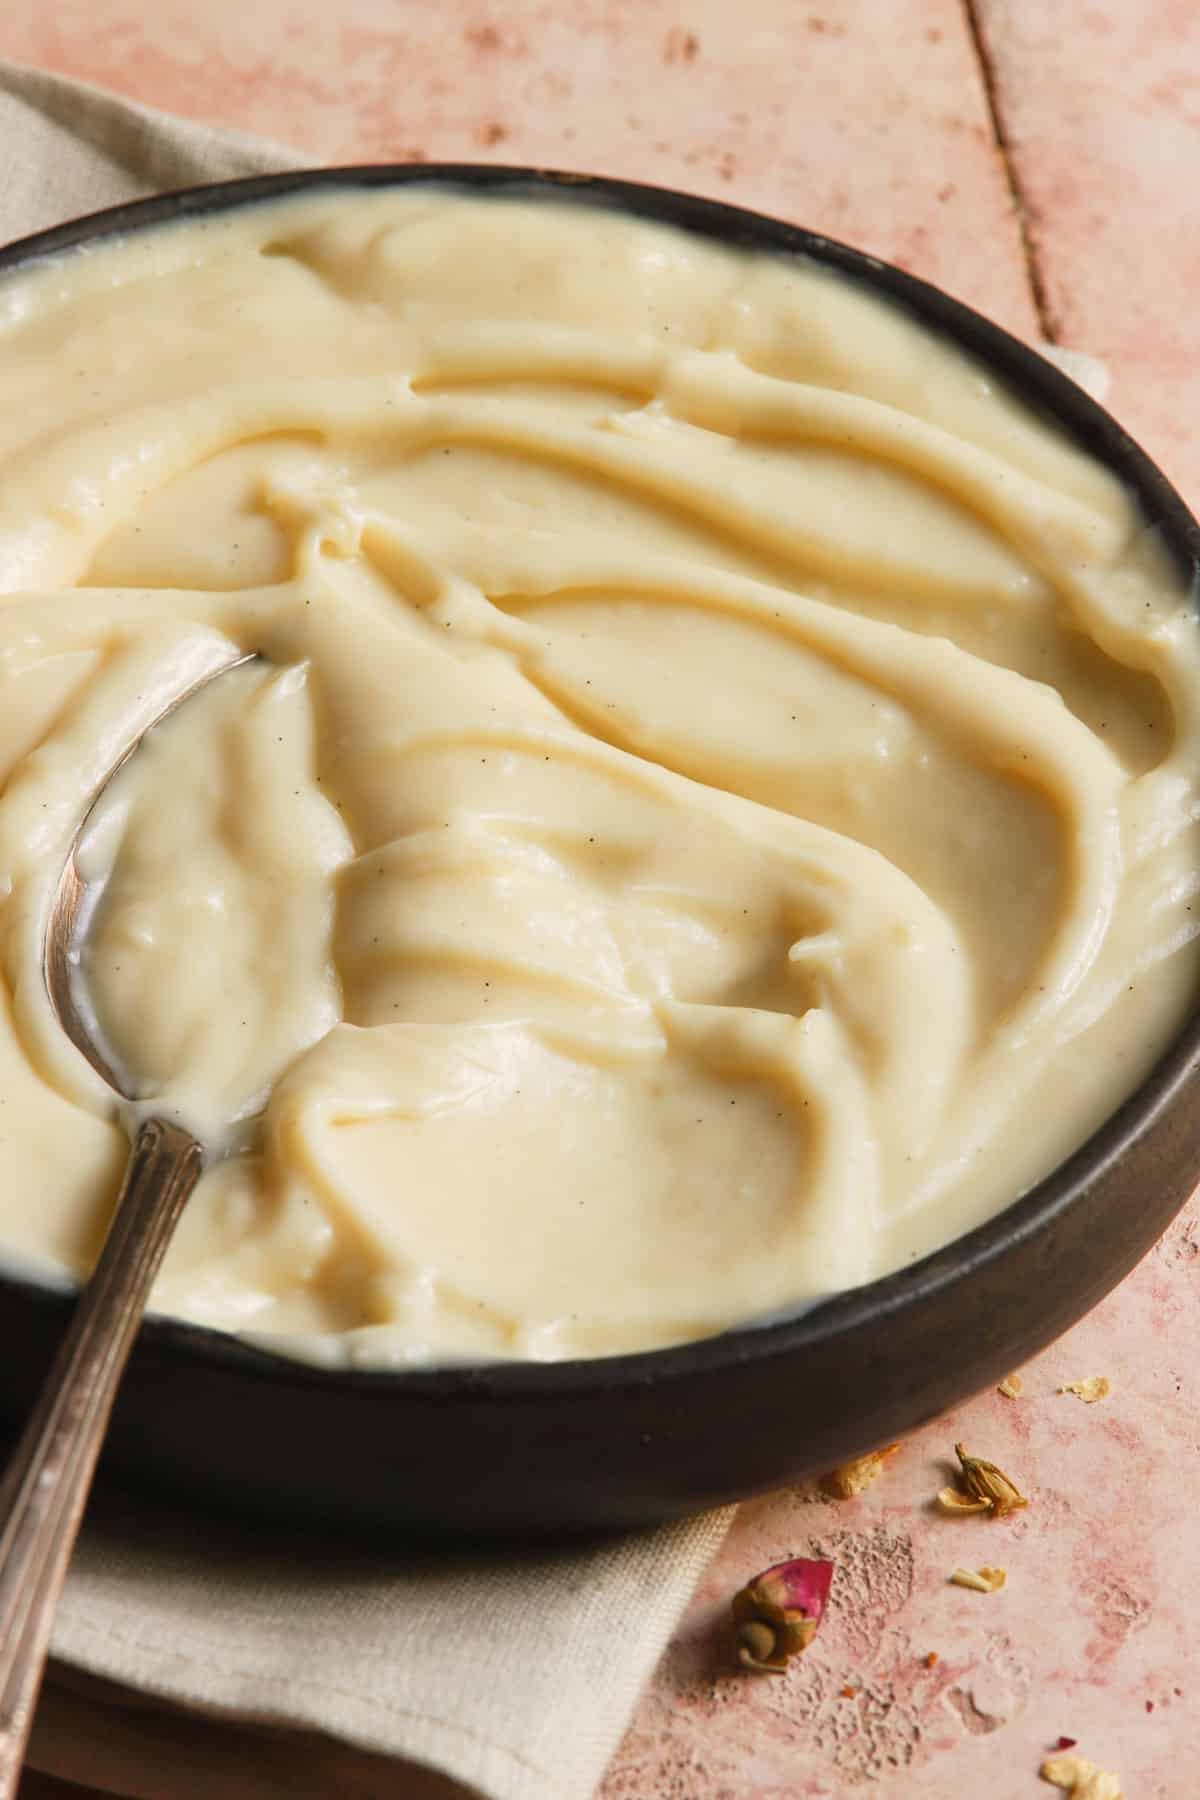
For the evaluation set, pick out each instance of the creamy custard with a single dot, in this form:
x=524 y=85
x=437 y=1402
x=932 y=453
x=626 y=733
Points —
x=712 y=817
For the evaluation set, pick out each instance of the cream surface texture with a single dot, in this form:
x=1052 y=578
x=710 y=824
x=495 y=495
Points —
x=711 y=817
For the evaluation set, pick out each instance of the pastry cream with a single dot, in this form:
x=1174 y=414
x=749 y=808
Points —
x=712 y=816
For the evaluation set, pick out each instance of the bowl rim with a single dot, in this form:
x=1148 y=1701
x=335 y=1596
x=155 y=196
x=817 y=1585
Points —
x=1038 y=385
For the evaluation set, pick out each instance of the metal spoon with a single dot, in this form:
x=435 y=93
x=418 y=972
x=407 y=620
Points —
x=46 y=1485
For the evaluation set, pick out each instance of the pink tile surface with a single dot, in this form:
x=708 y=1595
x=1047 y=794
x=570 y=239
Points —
x=1094 y=1637
x=1102 y=119
x=868 y=119
x=859 y=118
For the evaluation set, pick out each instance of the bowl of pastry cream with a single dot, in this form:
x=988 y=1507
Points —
x=697 y=883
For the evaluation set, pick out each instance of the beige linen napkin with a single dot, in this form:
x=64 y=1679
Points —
x=512 y=1672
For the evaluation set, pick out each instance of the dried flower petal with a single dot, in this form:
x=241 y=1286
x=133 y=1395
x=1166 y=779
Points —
x=1066 y=1743
x=851 y=1478
x=984 y=1481
x=1083 y=1779
x=931 y=1659
x=1094 y=1388
x=953 y=1500
x=1011 y=1387
x=969 y=1579
x=984 y=1581
x=777 y=1613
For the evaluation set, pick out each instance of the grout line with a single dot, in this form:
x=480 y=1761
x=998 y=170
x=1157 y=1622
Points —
x=1047 y=322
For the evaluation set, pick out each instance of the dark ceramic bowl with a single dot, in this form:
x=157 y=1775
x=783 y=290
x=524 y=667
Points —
x=630 y=1440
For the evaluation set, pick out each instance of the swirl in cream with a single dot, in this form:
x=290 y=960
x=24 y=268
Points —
x=715 y=820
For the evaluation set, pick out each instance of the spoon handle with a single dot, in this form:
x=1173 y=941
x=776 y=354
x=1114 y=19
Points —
x=45 y=1488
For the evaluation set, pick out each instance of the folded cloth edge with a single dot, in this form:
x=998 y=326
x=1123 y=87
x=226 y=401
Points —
x=514 y=1670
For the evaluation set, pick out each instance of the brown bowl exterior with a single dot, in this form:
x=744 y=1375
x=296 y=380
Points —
x=529 y=1449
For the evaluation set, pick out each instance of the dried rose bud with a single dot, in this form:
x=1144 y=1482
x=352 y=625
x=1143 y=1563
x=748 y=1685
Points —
x=984 y=1481
x=1012 y=1387
x=777 y=1613
x=851 y=1478
x=1082 y=1779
